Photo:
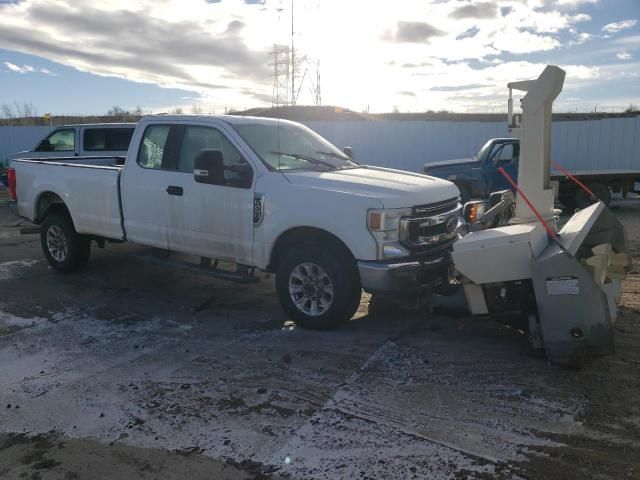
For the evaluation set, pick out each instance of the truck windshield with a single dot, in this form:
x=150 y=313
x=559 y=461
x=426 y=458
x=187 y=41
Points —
x=484 y=150
x=293 y=147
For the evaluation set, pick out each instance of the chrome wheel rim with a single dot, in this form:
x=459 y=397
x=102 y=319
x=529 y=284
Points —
x=57 y=243
x=310 y=289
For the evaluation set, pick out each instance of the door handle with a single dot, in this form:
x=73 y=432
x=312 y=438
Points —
x=174 y=190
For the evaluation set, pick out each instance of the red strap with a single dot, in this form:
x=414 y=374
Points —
x=575 y=180
x=549 y=230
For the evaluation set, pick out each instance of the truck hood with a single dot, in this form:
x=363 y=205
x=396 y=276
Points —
x=448 y=163
x=394 y=188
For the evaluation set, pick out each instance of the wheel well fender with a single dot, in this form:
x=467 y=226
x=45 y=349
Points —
x=46 y=202
x=297 y=235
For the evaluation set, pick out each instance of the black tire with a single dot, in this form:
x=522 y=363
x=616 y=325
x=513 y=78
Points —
x=465 y=193
x=321 y=262
x=600 y=190
x=65 y=249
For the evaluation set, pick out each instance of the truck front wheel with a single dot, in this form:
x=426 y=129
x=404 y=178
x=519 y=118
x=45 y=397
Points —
x=65 y=249
x=318 y=286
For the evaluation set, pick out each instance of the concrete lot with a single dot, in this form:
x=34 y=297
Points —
x=133 y=370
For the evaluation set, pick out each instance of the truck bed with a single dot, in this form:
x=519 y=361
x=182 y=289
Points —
x=89 y=187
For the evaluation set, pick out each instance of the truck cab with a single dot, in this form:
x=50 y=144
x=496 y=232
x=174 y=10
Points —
x=478 y=176
x=104 y=139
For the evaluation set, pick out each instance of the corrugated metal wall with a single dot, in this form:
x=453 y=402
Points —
x=409 y=145
x=607 y=144
x=16 y=139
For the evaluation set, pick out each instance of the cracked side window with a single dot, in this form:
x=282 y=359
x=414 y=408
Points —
x=153 y=145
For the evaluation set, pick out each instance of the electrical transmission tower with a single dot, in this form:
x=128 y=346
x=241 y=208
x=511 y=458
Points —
x=290 y=69
x=316 y=92
x=281 y=64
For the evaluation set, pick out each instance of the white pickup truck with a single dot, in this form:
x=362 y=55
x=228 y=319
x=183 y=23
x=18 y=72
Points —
x=111 y=139
x=260 y=193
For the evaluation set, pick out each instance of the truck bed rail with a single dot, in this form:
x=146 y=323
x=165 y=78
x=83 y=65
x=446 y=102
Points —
x=82 y=162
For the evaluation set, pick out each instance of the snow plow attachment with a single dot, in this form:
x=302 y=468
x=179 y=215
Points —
x=576 y=280
x=568 y=283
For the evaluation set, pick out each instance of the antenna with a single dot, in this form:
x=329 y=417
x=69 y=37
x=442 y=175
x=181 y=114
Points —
x=316 y=91
x=315 y=87
x=290 y=68
x=281 y=75
x=293 y=61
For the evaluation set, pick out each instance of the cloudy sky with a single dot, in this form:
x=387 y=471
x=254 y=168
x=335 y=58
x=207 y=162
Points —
x=85 y=56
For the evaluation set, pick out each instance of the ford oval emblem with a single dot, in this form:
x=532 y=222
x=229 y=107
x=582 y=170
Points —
x=452 y=224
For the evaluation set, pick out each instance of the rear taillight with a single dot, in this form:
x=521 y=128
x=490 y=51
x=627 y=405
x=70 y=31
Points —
x=11 y=177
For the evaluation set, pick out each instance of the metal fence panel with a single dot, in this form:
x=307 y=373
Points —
x=605 y=144
x=16 y=139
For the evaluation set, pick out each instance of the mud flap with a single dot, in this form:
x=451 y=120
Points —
x=574 y=311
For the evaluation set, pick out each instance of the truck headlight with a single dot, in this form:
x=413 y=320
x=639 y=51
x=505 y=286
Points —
x=473 y=211
x=384 y=225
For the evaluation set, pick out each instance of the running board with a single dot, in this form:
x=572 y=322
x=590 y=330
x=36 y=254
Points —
x=30 y=230
x=243 y=273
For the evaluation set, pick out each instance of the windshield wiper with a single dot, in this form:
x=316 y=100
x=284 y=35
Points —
x=306 y=159
x=335 y=155
x=352 y=162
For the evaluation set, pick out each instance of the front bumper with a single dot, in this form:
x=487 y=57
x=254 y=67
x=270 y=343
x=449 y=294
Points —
x=408 y=277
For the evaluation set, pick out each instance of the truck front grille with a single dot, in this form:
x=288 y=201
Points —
x=435 y=208
x=432 y=227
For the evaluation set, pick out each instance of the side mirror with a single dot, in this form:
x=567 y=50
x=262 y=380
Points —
x=209 y=168
x=45 y=146
x=473 y=211
x=348 y=151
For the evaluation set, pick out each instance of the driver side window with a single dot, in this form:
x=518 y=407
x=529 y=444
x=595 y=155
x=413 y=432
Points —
x=507 y=154
x=59 y=141
x=237 y=171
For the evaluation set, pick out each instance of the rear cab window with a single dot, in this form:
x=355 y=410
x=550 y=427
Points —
x=107 y=139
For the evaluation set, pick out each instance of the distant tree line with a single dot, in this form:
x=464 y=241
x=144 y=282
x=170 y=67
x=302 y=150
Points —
x=117 y=111
x=26 y=114
x=19 y=113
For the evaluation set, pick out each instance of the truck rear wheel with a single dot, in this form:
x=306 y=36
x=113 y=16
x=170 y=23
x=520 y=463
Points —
x=318 y=286
x=65 y=249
